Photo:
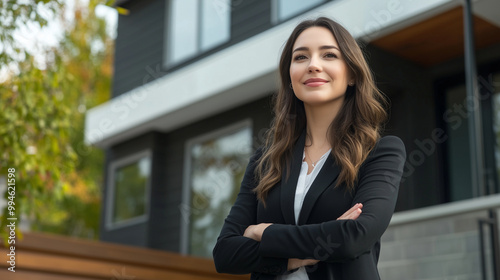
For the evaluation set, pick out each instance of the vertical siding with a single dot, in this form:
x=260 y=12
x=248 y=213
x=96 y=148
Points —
x=159 y=219
x=139 y=44
x=412 y=116
x=249 y=17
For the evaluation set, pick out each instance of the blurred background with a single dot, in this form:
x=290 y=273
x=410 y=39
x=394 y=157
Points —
x=130 y=125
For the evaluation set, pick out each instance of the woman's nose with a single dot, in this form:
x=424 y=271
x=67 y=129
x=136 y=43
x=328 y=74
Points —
x=314 y=65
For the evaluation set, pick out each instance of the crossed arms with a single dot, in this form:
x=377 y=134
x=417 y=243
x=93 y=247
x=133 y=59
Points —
x=244 y=247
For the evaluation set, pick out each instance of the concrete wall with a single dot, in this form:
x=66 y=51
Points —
x=438 y=247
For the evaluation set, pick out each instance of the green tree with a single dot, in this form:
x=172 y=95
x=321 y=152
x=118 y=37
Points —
x=42 y=114
x=17 y=14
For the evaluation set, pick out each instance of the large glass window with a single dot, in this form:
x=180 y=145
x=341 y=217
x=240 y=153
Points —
x=456 y=120
x=217 y=163
x=129 y=190
x=196 y=26
x=285 y=9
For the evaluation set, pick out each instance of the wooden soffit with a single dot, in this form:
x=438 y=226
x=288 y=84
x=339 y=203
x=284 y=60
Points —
x=438 y=39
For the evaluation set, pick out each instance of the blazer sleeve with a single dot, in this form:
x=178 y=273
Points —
x=233 y=253
x=341 y=240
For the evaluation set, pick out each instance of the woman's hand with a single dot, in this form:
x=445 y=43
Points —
x=353 y=213
x=296 y=263
x=255 y=231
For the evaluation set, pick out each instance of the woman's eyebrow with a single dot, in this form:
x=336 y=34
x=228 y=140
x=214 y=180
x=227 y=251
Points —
x=321 y=48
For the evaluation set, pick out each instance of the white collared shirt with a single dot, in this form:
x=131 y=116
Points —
x=303 y=184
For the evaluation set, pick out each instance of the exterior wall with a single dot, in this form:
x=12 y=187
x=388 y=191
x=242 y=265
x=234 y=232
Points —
x=446 y=247
x=412 y=117
x=138 y=44
x=249 y=17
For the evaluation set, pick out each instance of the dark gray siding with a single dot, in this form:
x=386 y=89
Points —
x=158 y=215
x=139 y=44
x=412 y=116
x=249 y=17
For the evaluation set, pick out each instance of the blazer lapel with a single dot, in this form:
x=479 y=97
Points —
x=289 y=186
x=328 y=173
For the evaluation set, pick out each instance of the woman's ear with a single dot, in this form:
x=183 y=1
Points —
x=351 y=78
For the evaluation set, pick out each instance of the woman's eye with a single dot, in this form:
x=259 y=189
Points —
x=299 y=57
x=332 y=55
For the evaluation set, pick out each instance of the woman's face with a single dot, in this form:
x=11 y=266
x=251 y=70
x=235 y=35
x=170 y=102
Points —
x=318 y=71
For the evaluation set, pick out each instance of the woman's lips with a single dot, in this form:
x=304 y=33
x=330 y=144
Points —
x=315 y=84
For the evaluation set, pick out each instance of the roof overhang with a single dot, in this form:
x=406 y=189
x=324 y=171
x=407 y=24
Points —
x=441 y=37
x=239 y=74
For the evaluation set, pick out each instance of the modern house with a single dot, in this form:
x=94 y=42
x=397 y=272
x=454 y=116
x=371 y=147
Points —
x=191 y=100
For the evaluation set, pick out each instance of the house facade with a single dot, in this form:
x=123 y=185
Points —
x=191 y=101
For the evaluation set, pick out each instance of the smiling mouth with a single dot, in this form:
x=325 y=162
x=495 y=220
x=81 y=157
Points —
x=315 y=83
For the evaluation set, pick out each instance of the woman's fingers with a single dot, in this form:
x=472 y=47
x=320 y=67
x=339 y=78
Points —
x=348 y=212
x=296 y=263
x=310 y=262
x=249 y=232
x=352 y=213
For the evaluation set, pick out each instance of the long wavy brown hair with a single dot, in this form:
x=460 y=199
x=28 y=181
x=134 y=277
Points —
x=352 y=134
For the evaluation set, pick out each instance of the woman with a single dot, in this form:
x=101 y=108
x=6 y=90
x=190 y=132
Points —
x=319 y=194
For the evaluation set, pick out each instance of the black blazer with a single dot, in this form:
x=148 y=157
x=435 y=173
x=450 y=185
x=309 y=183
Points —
x=348 y=249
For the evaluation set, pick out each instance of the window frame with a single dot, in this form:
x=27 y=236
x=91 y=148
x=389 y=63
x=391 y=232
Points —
x=185 y=217
x=110 y=195
x=441 y=85
x=168 y=63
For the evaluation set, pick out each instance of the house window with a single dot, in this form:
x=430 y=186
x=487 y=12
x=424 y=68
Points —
x=457 y=155
x=285 y=9
x=196 y=26
x=215 y=167
x=129 y=188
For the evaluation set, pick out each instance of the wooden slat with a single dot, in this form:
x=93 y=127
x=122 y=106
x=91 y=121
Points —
x=108 y=251
x=36 y=275
x=97 y=268
x=63 y=256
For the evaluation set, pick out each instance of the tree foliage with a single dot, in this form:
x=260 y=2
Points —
x=42 y=112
